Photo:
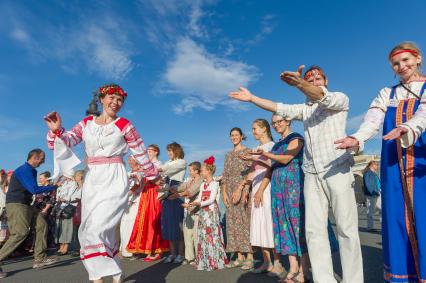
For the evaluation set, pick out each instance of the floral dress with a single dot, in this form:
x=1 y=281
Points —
x=238 y=215
x=288 y=209
x=210 y=248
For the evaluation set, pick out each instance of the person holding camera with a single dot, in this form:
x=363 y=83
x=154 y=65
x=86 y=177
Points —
x=67 y=197
x=23 y=185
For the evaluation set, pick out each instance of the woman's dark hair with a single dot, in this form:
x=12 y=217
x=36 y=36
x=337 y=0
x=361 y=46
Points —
x=46 y=174
x=196 y=166
x=176 y=149
x=264 y=124
x=155 y=147
x=239 y=131
x=33 y=152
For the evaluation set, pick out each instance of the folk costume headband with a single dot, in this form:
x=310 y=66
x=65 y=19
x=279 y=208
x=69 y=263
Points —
x=313 y=73
x=209 y=161
x=415 y=53
x=112 y=89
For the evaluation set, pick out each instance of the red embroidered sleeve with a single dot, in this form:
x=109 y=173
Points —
x=137 y=147
x=71 y=138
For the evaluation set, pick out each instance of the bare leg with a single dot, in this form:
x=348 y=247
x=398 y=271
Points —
x=277 y=267
x=181 y=247
x=173 y=247
x=267 y=262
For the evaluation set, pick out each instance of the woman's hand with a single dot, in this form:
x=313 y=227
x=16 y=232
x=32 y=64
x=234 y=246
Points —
x=173 y=196
x=247 y=157
x=245 y=198
x=242 y=94
x=258 y=198
x=195 y=203
x=159 y=181
x=53 y=121
x=185 y=205
x=236 y=195
x=348 y=142
x=395 y=133
x=225 y=199
x=258 y=151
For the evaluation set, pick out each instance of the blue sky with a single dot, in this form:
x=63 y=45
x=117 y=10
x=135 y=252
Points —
x=178 y=59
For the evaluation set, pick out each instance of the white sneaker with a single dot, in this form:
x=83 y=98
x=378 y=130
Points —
x=170 y=259
x=179 y=259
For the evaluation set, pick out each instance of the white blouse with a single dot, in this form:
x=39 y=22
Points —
x=174 y=169
x=375 y=116
x=213 y=187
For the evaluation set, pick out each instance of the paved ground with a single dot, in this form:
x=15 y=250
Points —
x=69 y=269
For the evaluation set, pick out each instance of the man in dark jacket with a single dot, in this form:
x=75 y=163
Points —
x=23 y=185
x=371 y=191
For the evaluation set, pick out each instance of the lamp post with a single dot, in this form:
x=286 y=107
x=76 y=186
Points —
x=93 y=106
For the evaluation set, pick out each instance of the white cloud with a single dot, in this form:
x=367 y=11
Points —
x=101 y=47
x=267 y=27
x=167 y=20
x=202 y=79
x=105 y=50
x=20 y=35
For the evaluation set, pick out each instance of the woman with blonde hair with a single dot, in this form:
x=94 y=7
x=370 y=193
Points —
x=402 y=111
x=261 y=225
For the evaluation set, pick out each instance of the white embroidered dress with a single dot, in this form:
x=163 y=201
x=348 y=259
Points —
x=104 y=193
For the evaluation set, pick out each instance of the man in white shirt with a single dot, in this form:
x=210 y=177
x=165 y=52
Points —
x=328 y=177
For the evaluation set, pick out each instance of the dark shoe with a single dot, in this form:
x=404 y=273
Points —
x=44 y=262
x=2 y=273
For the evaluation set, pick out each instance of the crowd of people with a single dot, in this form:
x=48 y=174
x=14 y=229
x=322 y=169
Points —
x=277 y=196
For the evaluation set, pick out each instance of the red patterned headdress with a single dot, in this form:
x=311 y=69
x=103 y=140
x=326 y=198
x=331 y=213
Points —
x=112 y=89
x=210 y=160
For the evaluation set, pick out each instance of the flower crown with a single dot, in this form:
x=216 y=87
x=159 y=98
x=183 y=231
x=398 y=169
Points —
x=210 y=160
x=112 y=89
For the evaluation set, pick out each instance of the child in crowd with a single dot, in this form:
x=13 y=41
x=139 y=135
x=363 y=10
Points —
x=210 y=253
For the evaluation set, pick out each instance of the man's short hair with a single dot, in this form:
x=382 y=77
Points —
x=33 y=152
x=315 y=67
x=46 y=174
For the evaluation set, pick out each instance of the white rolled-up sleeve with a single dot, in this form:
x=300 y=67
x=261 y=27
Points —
x=334 y=100
x=291 y=111
x=416 y=125
x=373 y=119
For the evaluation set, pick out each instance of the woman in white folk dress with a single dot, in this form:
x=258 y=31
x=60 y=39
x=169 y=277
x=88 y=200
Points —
x=107 y=139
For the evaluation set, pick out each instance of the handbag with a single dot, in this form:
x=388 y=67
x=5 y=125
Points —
x=68 y=212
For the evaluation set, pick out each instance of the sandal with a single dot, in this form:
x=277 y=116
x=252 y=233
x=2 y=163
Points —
x=291 y=278
x=262 y=269
x=235 y=263
x=275 y=272
x=248 y=264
